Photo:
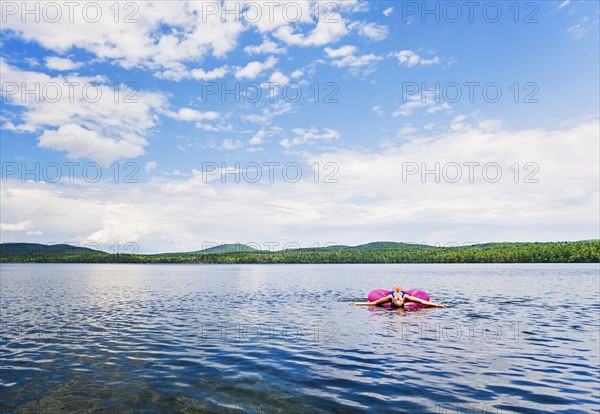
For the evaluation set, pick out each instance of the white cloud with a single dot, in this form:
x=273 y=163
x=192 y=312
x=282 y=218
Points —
x=164 y=35
x=341 y=51
x=189 y=114
x=120 y=119
x=355 y=61
x=387 y=12
x=79 y=142
x=378 y=110
x=279 y=78
x=410 y=59
x=458 y=123
x=230 y=144
x=266 y=47
x=580 y=29
x=267 y=114
x=170 y=38
x=20 y=226
x=566 y=161
x=490 y=125
x=150 y=165
x=297 y=73
x=32 y=62
x=347 y=59
x=281 y=13
x=258 y=138
x=408 y=130
x=431 y=103
x=577 y=31
x=371 y=201
x=253 y=69
x=433 y=108
x=179 y=72
x=309 y=136
x=370 y=30
x=327 y=30
x=214 y=128
x=276 y=82
x=61 y=64
x=353 y=5
x=201 y=74
x=564 y=4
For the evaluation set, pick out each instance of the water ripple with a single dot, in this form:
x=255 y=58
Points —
x=134 y=338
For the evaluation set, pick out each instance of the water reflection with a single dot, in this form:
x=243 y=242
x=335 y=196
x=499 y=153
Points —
x=255 y=338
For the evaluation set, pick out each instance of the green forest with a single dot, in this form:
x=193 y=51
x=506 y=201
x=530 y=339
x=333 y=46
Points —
x=378 y=252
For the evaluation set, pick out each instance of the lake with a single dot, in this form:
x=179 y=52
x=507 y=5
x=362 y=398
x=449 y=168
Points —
x=283 y=339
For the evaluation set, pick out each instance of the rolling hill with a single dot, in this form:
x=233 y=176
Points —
x=376 y=252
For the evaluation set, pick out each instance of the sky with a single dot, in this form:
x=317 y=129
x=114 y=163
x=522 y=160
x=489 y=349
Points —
x=175 y=126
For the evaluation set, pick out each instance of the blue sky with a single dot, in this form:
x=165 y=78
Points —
x=371 y=60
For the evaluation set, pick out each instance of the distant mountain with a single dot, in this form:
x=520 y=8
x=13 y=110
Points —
x=381 y=245
x=376 y=252
x=226 y=248
x=387 y=245
x=34 y=250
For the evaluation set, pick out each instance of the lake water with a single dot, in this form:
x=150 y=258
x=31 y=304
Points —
x=283 y=339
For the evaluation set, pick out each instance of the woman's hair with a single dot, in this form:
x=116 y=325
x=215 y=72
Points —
x=397 y=288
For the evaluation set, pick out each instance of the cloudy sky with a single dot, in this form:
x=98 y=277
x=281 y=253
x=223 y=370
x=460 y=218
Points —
x=173 y=126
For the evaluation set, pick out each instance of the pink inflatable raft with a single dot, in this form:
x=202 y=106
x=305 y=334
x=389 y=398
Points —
x=382 y=293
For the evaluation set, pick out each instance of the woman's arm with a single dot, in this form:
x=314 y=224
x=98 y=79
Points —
x=423 y=302
x=377 y=302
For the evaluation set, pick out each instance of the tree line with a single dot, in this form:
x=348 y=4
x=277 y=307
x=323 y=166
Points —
x=553 y=252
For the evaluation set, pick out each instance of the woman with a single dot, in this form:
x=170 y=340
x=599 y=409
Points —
x=398 y=297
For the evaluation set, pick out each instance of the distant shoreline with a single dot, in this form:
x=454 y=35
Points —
x=587 y=251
